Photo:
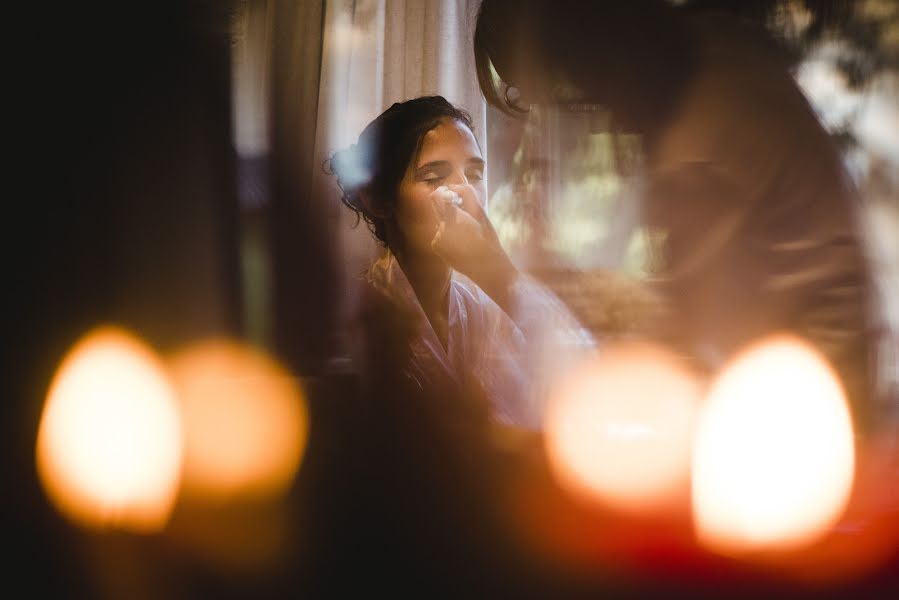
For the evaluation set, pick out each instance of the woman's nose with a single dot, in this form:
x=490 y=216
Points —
x=457 y=177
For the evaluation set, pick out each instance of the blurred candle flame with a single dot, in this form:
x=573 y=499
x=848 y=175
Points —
x=620 y=430
x=109 y=441
x=245 y=421
x=774 y=456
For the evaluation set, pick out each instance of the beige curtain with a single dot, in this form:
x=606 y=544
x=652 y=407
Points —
x=375 y=53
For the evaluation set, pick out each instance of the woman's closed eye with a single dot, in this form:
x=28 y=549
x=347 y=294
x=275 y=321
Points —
x=435 y=180
x=439 y=172
x=433 y=174
x=474 y=175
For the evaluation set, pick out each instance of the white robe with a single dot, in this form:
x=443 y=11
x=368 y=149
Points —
x=514 y=360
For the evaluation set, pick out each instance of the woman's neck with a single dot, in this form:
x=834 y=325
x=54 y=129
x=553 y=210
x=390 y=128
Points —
x=429 y=277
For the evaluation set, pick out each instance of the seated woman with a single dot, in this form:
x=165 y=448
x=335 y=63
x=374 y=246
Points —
x=417 y=177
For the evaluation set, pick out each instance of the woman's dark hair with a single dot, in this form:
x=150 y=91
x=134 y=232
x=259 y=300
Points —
x=375 y=165
x=631 y=56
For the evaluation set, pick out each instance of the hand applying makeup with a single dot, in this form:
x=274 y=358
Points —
x=466 y=240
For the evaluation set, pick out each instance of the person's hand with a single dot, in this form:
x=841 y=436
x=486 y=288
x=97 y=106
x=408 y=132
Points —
x=465 y=237
x=466 y=240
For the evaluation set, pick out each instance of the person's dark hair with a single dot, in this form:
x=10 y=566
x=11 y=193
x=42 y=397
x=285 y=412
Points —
x=375 y=165
x=631 y=56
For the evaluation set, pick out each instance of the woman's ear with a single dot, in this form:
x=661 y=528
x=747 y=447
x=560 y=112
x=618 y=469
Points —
x=371 y=204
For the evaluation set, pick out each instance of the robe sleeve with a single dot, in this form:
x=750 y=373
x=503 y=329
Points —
x=531 y=350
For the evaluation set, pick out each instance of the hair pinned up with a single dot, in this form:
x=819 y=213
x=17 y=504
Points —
x=375 y=165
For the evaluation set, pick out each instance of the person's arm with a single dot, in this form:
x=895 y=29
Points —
x=740 y=265
x=467 y=241
x=705 y=270
x=532 y=333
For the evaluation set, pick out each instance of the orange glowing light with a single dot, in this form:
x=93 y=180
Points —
x=245 y=421
x=620 y=429
x=774 y=455
x=109 y=446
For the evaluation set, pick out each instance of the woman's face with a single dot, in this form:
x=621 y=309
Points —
x=449 y=156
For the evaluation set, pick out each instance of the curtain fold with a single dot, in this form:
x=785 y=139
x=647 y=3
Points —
x=304 y=257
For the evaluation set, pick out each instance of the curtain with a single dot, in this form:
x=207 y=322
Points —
x=375 y=53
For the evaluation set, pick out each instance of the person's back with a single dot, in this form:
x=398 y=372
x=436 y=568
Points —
x=754 y=211
x=761 y=216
